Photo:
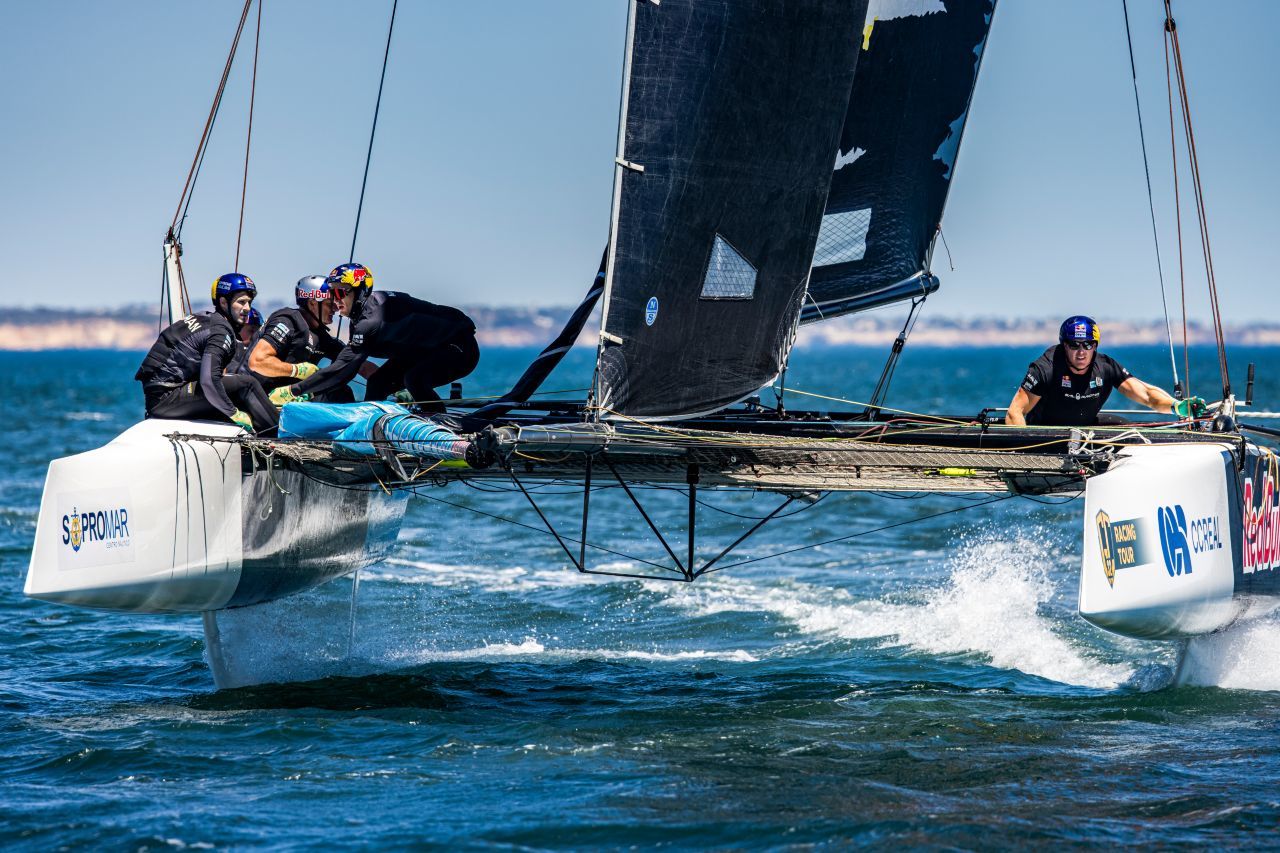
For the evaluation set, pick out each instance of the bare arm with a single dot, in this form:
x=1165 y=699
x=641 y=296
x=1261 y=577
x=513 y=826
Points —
x=1147 y=395
x=1023 y=402
x=264 y=361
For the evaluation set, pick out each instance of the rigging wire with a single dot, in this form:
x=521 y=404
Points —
x=1202 y=217
x=253 y=90
x=849 y=536
x=189 y=187
x=1177 y=207
x=900 y=342
x=351 y=256
x=1151 y=204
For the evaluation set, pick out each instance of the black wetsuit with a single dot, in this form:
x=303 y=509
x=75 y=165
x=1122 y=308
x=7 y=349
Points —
x=425 y=345
x=183 y=375
x=289 y=333
x=1068 y=399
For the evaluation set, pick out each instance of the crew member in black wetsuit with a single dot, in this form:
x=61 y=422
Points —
x=184 y=375
x=425 y=345
x=294 y=339
x=1070 y=383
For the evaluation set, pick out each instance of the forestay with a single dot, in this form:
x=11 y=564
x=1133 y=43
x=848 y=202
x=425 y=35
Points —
x=732 y=112
x=916 y=72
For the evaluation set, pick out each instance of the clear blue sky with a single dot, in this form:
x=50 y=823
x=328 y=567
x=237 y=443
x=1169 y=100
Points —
x=492 y=171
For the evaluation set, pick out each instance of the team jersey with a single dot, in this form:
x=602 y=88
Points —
x=197 y=347
x=390 y=324
x=289 y=334
x=293 y=339
x=1068 y=399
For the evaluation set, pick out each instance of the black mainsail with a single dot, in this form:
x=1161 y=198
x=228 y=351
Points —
x=732 y=111
x=916 y=72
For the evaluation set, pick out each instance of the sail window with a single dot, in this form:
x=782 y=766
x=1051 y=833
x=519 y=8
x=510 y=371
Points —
x=842 y=238
x=729 y=275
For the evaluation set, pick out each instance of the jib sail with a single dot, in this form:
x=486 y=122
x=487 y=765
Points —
x=916 y=72
x=732 y=111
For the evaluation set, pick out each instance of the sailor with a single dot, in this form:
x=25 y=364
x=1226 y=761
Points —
x=252 y=324
x=1069 y=384
x=425 y=345
x=295 y=339
x=185 y=374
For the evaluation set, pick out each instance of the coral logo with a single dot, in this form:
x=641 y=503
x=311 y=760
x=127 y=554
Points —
x=1174 y=544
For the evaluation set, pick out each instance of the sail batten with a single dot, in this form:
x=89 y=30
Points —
x=732 y=112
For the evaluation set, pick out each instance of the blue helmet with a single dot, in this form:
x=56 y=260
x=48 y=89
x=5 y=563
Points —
x=231 y=284
x=311 y=288
x=1079 y=328
x=254 y=318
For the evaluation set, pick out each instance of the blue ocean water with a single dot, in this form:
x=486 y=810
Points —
x=929 y=685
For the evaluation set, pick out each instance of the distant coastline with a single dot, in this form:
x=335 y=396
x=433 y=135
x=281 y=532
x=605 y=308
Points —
x=135 y=328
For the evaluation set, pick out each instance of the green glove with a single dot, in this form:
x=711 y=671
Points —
x=243 y=420
x=282 y=395
x=304 y=369
x=403 y=397
x=1192 y=407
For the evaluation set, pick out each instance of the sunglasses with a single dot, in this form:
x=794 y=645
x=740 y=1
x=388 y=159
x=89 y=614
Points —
x=1080 y=344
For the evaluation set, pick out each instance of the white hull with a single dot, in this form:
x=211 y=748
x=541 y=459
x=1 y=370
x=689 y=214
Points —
x=152 y=524
x=1179 y=540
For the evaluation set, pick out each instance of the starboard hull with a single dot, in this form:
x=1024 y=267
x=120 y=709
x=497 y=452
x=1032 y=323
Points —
x=1181 y=540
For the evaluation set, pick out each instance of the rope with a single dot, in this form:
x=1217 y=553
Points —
x=253 y=89
x=368 y=157
x=1151 y=204
x=189 y=186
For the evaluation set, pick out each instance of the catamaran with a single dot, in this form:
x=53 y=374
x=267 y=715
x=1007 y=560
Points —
x=777 y=164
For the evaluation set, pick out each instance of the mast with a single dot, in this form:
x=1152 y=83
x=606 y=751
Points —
x=175 y=301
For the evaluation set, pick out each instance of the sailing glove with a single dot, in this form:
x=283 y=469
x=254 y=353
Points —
x=282 y=395
x=403 y=397
x=1192 y=407
x=304 y=369
x=243 y=420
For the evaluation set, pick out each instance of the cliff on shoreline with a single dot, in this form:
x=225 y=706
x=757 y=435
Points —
x=135 y=328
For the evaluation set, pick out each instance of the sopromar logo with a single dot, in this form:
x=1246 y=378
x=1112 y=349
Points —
x=1172 y=522
x=1123 y=544
x=108 y=526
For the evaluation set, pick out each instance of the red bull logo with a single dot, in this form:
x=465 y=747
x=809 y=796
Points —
x=1262 y=522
